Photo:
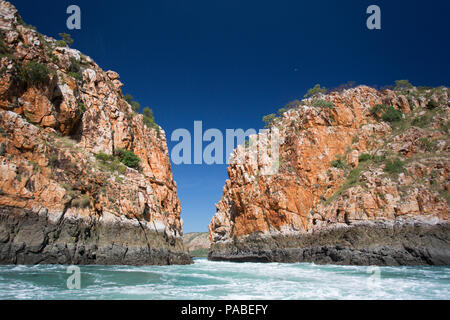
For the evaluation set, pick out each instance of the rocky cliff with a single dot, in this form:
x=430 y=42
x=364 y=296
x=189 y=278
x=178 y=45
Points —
x=363 y=179
x=197 y=243
x=83 y=178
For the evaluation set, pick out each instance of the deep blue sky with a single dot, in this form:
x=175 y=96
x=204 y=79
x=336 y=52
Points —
x=229 y=62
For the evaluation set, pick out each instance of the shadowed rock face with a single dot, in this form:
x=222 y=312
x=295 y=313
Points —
x=59 y=203
x=374 y=243
x=336 y=174
x=29 y=238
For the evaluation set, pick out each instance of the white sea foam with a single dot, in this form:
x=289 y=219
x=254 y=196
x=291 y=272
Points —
x=226 y=280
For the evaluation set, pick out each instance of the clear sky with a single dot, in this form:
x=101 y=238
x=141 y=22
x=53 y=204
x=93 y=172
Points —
x=230 y=62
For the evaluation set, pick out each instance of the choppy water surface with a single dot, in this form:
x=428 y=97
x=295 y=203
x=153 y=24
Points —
x=224 y=280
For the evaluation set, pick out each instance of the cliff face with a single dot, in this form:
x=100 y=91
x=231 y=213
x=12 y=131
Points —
x=197 y=243
x=363 y=179
x=66 y=195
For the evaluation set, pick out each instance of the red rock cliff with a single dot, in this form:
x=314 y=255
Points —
x=363 y=179
x=64 y=195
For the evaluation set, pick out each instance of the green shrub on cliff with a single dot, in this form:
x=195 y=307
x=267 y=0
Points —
x=75 y=69
x=364 y=157
x=388 y=113
x=282 y=111
x=339 y=163
x=128 y=97
x=2 y=149
x=268 y=120
x=135 y=106
x=81 y=107
x=323 y=104
x=34 y=73
x=401 y=85
x=52 y=160
x=61 y=43
x=379 y=158
x=149 y=118
x=3 y=48
x=392 y=115
x=352 y=180
x=104 y=157
x=128 y=158
x=66 y=38
x=394 y=166
x=315 y=90
x=432 y=104
x=110 y=163
x=375 y=111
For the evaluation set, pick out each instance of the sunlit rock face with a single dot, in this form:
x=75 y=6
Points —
x=59 y=203
x=339 y=196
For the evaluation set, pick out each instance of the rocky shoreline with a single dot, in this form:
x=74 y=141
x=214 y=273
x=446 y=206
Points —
x=28 y=237
x=376 y=243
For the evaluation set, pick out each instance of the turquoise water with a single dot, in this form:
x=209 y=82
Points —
x=224 y=280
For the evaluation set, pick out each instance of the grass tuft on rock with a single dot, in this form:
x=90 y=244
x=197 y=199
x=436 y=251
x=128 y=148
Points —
x=323 y=104
x=395 y=166
x=82 y=202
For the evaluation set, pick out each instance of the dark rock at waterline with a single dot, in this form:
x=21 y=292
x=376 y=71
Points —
x=364 y=244
x=29 y=238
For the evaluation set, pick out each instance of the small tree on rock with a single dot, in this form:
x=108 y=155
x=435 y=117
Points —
x=66 y=38
x=402 y=85
x=316 y=90
x=269 y=119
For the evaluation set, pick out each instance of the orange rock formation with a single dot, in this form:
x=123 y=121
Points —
x=323 y=185
x=58 y=110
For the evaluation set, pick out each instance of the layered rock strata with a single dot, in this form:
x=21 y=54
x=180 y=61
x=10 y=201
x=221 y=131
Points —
x=363 y=179
x=65 y=195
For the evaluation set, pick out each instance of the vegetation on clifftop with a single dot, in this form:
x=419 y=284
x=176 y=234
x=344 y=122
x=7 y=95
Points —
x=148 y=116
x=432 y=137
